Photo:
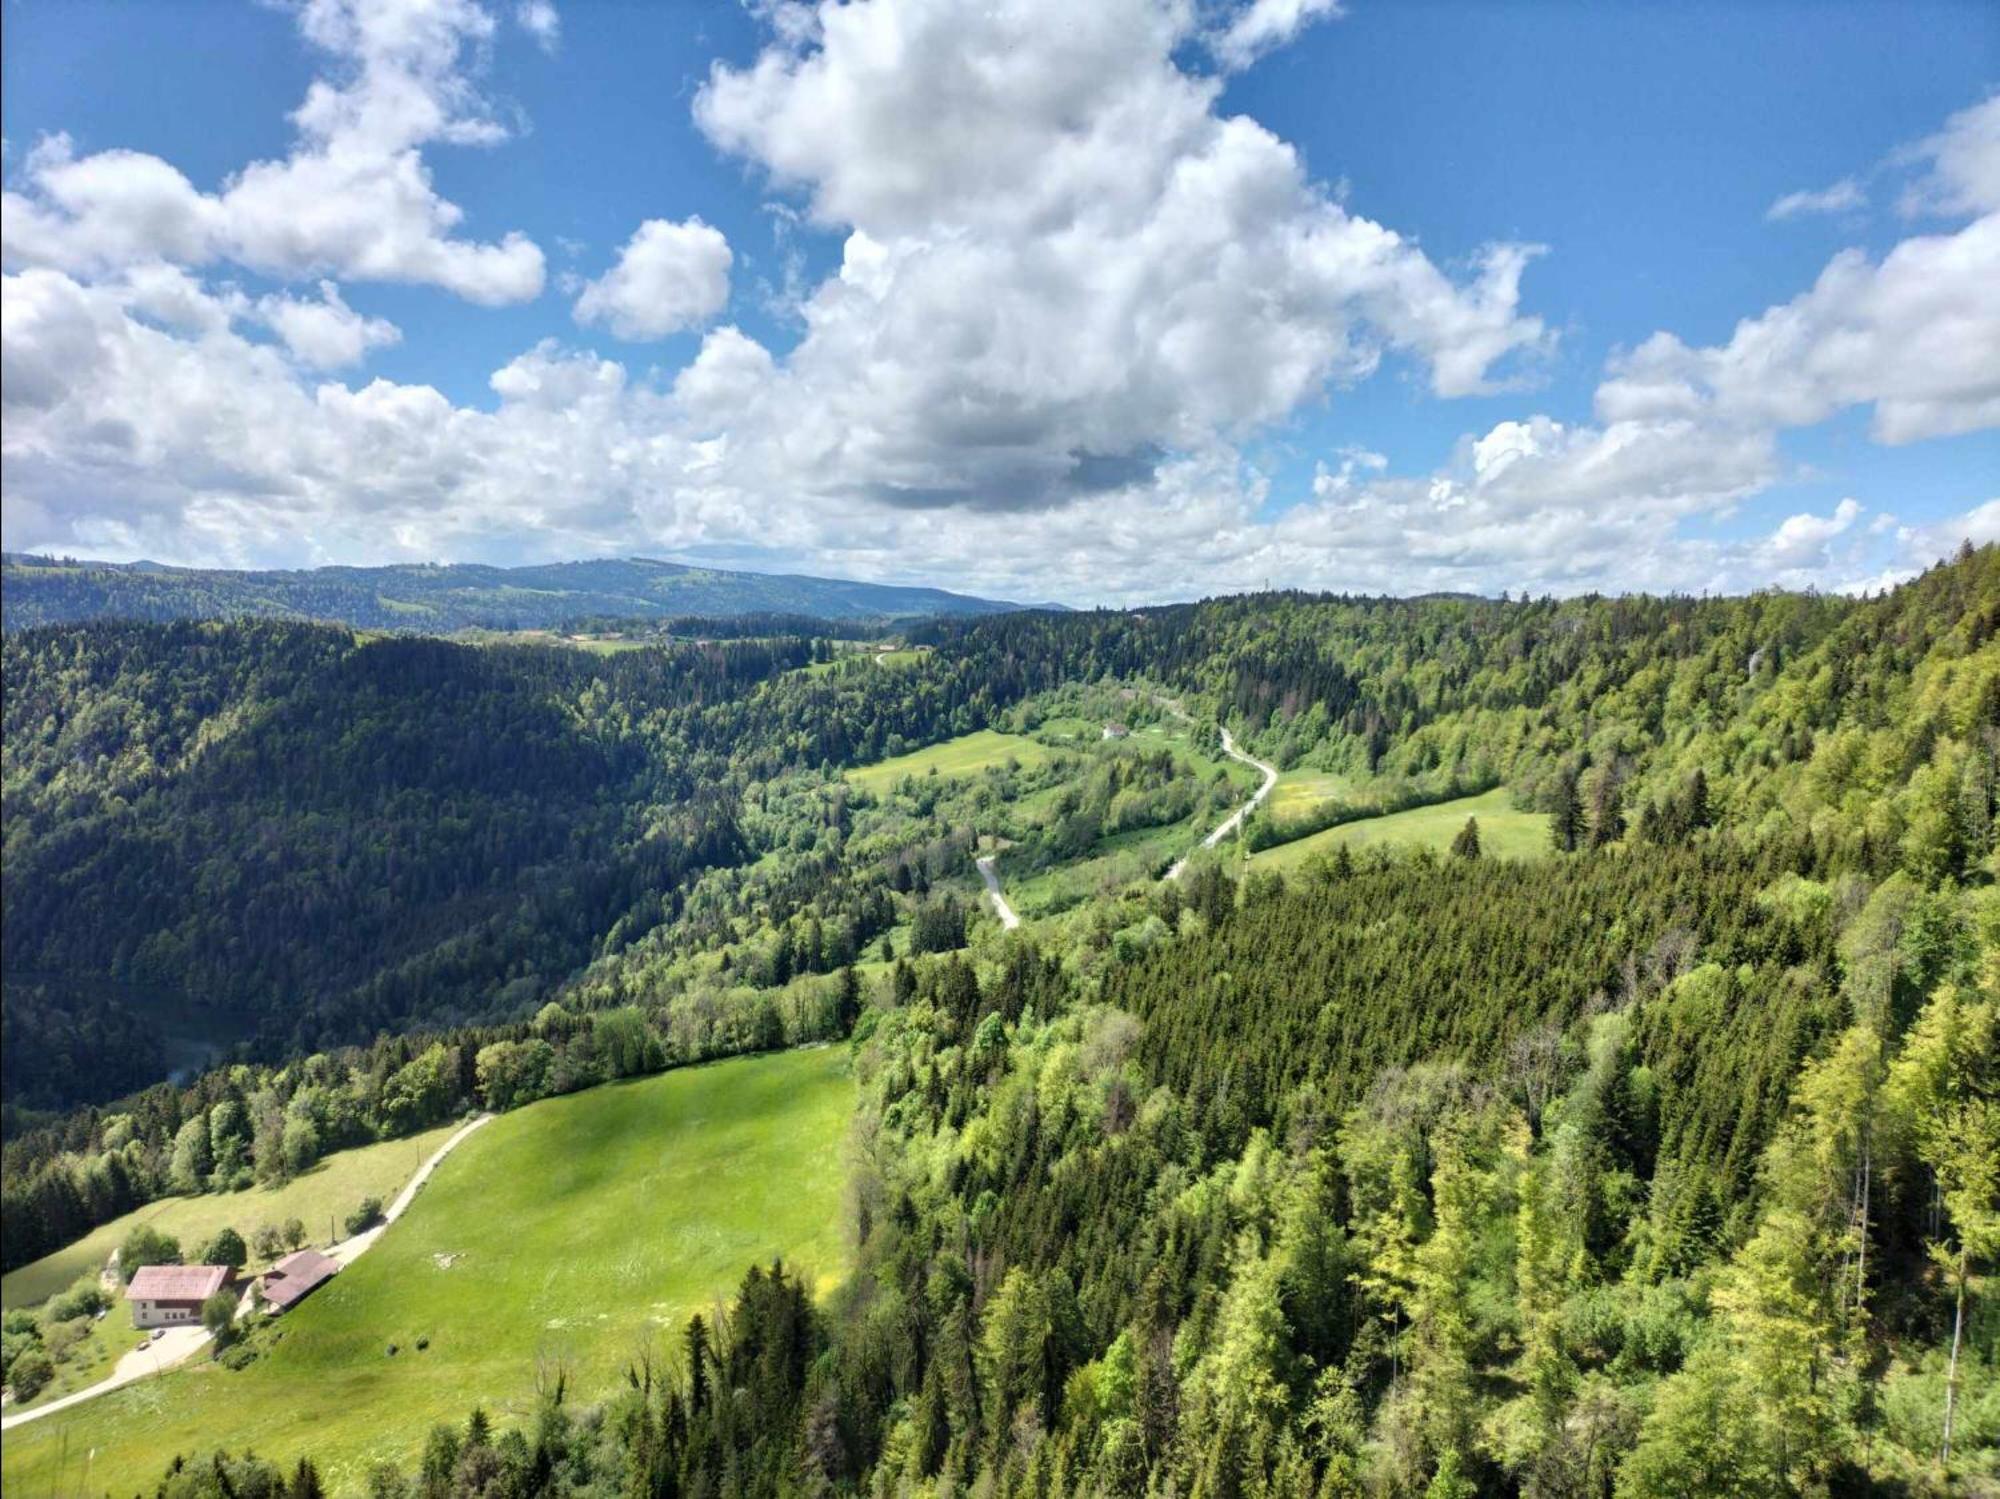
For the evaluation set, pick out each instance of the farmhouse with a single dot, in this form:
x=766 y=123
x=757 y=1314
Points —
x=286 y=1283
x=171 y=1295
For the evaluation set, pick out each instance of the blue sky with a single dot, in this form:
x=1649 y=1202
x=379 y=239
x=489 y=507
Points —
x=955 y=415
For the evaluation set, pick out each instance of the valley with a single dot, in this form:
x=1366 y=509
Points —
x=1038 y=1017
x=1000 y=749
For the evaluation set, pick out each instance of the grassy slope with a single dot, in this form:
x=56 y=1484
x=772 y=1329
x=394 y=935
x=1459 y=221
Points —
x=1299 y=791
x=967 y=755
x=1503 y=832
x=587 y=1228
x=333 y=1187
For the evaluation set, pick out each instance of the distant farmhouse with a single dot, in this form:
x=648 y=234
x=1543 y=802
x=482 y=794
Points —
x=289 y=1281
x=1116 y=731
x=171 y=1295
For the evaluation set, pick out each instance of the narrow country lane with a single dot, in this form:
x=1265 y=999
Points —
x=1234 y=820
x=1008 y=920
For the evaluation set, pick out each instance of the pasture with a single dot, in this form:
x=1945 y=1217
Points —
x=1299 y=791
x=1504 y=833
x=966 y=755
x=574 y=1234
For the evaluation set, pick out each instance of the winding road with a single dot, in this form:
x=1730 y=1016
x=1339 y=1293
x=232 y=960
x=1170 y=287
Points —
x=1228 y=825
x=1008 y=920
x=1234 y=820
x=177 y=1344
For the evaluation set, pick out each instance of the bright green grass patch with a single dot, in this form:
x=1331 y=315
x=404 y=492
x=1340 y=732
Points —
x=1504 y=833
x=402 y=606
x=576 y=1232
x=1299 y=791
x=331 y=1189
x=1069 y=731
x=965 y=756
x=605 y=645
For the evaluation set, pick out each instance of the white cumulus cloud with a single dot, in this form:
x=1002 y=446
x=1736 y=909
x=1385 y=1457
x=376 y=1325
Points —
x=669 y=277
x=1961 y=165
x=1062 y=263
x=326 y=334
x=1264 y=25
x=354 y=198
x=1914 y=336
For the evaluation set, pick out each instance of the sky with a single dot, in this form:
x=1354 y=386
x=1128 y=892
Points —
x=1106 y=303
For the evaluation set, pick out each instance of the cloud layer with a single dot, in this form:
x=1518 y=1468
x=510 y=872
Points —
x=1072 y=289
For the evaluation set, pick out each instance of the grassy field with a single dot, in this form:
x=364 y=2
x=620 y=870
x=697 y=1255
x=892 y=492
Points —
x=1299 y=791
x=575 y=1232
x=330 y=1189
x=965 y=756
x=1503 y=832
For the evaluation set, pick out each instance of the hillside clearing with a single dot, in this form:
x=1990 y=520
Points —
x=1299 y=791
x=576 y=1232
x=1504 y=833
x=966 y=755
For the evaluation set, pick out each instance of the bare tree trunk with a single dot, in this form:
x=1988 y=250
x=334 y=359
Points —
x=1951 y=1372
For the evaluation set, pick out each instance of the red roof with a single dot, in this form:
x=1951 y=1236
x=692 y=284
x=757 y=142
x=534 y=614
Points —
x=296 y=1274
x=177 y=1282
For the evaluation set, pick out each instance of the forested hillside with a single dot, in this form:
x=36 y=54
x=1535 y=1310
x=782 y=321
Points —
x=280 y=833
x=1666 y=1163
x=439 y=599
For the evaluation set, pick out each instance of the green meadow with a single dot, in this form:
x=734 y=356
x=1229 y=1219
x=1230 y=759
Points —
x=329 y=1191
x=1504 y=833
x=1298 y=792
x=966 y=755
x=572 y=1235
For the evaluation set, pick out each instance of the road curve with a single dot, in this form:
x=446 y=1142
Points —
x=161 y=1354
x=1234 y=820
x=1008 y=920
x=347 y=1251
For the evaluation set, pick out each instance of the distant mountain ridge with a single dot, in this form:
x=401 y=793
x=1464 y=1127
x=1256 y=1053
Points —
x=439 y=598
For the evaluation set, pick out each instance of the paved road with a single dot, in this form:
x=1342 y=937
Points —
x=160 y=1354
x=178 y=1343
x=347 y=1251
x=1008 y=920
x=1234 y=820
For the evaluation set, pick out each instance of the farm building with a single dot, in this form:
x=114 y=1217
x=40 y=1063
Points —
x=171 y=1295
x=287 y=1283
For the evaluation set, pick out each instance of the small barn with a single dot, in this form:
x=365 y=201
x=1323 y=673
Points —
x=171 y=1295
x=289 y=1281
